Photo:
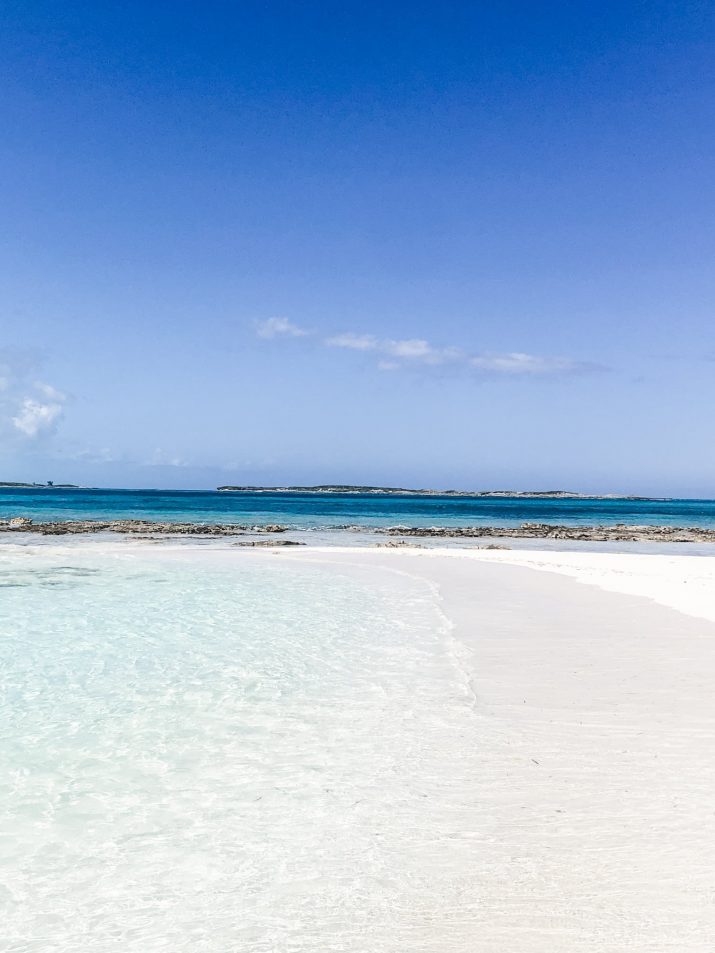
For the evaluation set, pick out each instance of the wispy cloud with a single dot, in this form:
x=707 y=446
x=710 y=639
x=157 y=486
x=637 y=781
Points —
x=392 y=354
x=410 y=352
x=409 y=349
x=279 y=327
x=529 y=364
x=354 y=342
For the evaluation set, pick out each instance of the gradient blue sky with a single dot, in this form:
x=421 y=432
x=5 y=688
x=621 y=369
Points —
x=436 y=244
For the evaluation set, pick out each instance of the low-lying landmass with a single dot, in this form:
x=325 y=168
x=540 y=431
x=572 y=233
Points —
x=329 y=488
x=403 y=491
x=39 y=486
x=619 y=532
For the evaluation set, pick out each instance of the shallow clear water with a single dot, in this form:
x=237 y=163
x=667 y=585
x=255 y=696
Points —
x=303 y=511
x=215 y=753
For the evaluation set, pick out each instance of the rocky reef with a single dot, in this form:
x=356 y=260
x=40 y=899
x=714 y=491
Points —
x=147 y=528
x=619 y=532
x=23 y=524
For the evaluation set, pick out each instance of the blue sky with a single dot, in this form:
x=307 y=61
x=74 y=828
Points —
x=454 y=244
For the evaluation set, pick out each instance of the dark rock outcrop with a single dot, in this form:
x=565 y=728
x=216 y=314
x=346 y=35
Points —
x=619 y=532
x=144 y=528
x=133 y=527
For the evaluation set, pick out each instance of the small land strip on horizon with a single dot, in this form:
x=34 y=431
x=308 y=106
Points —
x=403 y=491
x=338 y=488
x=40 y=486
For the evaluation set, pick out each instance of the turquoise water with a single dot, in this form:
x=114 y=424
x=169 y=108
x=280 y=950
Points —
x=211 y=752
x=309 y=511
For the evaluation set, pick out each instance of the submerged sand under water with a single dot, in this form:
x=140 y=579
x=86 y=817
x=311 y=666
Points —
x=215 y=749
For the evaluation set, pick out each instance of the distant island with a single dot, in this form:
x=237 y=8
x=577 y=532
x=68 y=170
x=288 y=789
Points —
x=402 y=491
x=40 y=486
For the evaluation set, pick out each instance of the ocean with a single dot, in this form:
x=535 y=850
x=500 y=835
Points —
x=311 y=511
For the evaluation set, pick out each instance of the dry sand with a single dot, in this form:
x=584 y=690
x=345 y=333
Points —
x=594 y=815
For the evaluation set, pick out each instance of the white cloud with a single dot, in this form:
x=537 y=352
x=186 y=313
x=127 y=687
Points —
x=36 y=417
x=29 y=409
x=520 y=363
x=410 y=352
x=278 y=327
x=356 y=342
x=412 y=348
x=394 y=353
x=417 y=349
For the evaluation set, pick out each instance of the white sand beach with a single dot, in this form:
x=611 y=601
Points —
x=682 y=582
x=560 y=801
x=594 y=828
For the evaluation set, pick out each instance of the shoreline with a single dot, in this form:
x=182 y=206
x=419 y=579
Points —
x=685 y=584
x=675 y=579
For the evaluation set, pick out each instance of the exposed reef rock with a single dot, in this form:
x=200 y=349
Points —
x=400 y=544
x=22 y=524
x=19 y=522
x=269 y=542
x=146 y=528
x=619 y=532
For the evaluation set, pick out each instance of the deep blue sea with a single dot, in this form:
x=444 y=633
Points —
x=307 y=511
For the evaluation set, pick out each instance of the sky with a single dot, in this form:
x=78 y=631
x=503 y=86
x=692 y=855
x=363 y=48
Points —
x=452 y=244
